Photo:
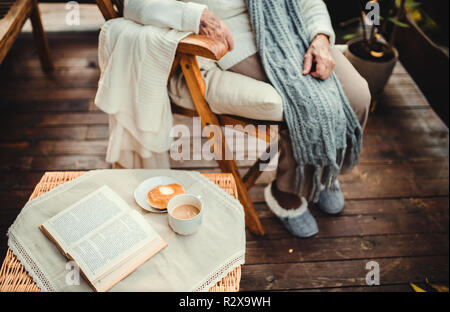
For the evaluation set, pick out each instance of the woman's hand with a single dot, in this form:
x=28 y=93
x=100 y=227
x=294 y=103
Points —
x=318 y=59
x=211 y=26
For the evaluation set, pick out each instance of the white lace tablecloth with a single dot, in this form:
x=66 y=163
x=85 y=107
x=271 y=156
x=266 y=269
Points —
x=188 y=263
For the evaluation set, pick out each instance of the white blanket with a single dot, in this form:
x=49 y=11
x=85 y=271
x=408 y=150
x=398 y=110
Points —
x=135 y=63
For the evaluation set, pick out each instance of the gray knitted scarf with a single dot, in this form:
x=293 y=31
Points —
x=324 y=130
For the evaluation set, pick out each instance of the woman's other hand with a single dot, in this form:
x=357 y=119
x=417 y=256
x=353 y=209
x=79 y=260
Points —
x=211 y=26
x=318 y=59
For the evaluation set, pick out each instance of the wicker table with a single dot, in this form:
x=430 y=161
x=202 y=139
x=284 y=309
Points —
x=14 y=278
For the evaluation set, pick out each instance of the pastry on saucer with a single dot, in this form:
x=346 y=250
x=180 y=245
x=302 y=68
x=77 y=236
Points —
x=158 y=197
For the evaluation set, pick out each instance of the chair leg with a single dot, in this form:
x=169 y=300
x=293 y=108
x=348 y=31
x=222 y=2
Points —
x=197 y=88
x=251 y=216
x=40 y=38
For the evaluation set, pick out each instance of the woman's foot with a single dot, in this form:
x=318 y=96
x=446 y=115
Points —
x=296 y=217
x=332 y=201
x=286 y=200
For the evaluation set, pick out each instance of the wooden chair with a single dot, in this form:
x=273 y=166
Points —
x=188 y=49
x=13 y=15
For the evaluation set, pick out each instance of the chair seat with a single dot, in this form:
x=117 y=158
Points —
x=229 y=93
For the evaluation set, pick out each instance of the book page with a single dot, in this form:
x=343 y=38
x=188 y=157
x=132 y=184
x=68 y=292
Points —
x=101 y=233
x=100 y=253
x=85 y=216
x=126 y=268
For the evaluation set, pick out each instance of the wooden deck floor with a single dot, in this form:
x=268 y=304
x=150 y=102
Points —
x=397 y=198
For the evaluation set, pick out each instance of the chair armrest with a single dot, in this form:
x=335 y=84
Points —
x=202 y=46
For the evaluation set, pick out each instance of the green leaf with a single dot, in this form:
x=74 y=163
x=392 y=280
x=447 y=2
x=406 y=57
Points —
x=349 y=36
x=408 y=3
x=397 y=22
x=412 y=5
x=416 y=288
x=439 y=288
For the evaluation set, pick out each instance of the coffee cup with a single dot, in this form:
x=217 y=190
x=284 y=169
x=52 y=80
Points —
x=185 y=213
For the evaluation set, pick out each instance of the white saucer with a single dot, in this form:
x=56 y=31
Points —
x=140 y=193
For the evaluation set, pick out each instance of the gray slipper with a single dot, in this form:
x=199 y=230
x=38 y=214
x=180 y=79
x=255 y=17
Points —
x=299 y=222
x=332 y=201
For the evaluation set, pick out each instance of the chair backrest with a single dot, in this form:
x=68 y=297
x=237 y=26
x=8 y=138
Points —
x=110 y=8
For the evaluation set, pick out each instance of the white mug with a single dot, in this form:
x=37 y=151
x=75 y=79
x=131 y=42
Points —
x=185 y=226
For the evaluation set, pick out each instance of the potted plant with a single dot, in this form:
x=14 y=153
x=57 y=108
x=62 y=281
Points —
x=371 y=54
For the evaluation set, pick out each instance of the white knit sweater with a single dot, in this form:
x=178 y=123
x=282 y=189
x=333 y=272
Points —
x=185 y=15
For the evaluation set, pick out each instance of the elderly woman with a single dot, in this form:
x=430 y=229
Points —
x=229 y=21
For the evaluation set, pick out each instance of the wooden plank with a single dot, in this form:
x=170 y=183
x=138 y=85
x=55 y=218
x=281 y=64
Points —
x=8 y=106
x=53 y=163
x=15 y=72
x=389 y=180
x=396 y=206
x=19 y=181
x=292 y=250
x=12 y=202
x=396 y=101
x=404 y=86
x=58 y=42
x=51 y=94
x=88 y=118
x=405 y=179
x=97 y=132
x=69 y=78
x=72 y=61
x=15 y=148
x=382 y=148
x=55 y=133
x=352 y=273
x=75 y=162
x=66 y=63
x=399 y=69
x=381 y=206
x=399 y=79
x=54 y=119
x=362 y=225
x=384 y=288
x=402 y=92
x=70 y=148
x=388 y=121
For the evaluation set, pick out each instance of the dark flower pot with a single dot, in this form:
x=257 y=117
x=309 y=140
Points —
x=376 y=73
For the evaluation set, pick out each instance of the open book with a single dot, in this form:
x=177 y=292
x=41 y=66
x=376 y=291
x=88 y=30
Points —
x=105 y=237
